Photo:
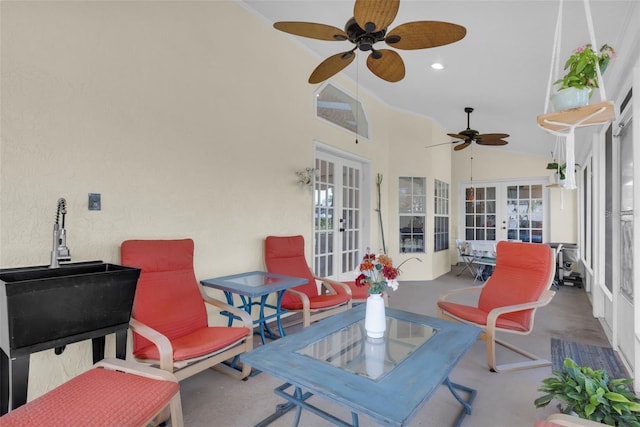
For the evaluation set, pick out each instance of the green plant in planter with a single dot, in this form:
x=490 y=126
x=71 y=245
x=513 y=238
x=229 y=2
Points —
x=560 y=169
x=592 y=395
x=581 y=67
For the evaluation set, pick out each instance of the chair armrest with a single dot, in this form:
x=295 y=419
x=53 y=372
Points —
x=162 y=342
x=136 y=369
x=329 y=284
x=544 y=299
x=246 y=317
x=443 y=297
x=306 y=304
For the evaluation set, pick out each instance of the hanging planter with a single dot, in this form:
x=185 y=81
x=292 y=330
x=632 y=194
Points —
x=583 y=69
x=570 y=97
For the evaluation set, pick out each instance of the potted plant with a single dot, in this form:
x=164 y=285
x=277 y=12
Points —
x=559 y=168
x=591 y=395
x=581 y=77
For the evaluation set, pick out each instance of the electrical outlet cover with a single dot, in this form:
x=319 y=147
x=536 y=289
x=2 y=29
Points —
x=94 y=202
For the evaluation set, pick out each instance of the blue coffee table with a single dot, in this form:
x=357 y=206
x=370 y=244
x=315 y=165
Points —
x=387 y=379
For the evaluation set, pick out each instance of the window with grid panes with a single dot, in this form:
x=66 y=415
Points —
x=525 y=213
x=480 y=213
x=412 y=213
x=441 y=216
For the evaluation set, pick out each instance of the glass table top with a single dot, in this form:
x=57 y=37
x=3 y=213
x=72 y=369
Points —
x=351 y=350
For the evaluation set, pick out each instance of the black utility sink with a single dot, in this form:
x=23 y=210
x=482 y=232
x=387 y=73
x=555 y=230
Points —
x=43 y=307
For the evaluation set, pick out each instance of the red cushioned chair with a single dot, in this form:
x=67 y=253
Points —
x=114 y=393
x=359 y=294
x=169 y=318
x=519 y=285
x=285 y=255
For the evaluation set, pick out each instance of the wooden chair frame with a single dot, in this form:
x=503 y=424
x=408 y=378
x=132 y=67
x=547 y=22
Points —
x=184 y=369
x=490 y=329
x=310 y=315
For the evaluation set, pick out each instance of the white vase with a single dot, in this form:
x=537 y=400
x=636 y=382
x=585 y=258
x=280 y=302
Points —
x=570 y=98
x=374 y=351
x=375 y=321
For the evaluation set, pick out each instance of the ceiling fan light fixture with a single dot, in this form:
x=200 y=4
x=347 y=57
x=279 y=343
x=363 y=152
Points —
x=368 y=26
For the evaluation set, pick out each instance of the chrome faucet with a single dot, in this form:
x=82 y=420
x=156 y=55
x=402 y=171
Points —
x=60 y=251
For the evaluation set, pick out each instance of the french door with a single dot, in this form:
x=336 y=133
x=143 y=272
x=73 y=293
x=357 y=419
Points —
x=621 y=268
x=494 y=211
x=340 y=215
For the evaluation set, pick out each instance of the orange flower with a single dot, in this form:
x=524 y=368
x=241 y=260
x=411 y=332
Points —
x=366 y=265
x=384 y=259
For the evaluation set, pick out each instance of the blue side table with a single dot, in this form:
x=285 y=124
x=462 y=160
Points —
x=252 y=285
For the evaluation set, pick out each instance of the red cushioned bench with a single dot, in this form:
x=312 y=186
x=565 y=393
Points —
x=113 y=393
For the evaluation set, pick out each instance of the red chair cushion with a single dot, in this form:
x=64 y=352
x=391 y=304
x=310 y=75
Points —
x=285 y=255
x=521 y=274
x=358 y=292
x=198 y=343
x=167 y=297
x=318 y=302
x=477 y=316
x=97 y=398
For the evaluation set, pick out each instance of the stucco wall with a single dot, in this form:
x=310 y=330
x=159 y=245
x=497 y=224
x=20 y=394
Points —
x=184 y=130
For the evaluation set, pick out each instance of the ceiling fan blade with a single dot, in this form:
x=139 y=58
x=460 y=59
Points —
x=375 y=15
x=386 y=64
x=462 y=146
x=312 y=30
x=458 y=136
x=331 y=66
x=488 y=136
x=492 y=142
x=424 y=34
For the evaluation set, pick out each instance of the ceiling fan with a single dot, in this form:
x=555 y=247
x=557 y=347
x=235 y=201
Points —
x=469 y=135
x=371 y=19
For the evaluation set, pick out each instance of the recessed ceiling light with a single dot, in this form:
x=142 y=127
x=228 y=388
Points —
x=437 y=66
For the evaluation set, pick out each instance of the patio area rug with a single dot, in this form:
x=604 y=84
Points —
x=587 y=355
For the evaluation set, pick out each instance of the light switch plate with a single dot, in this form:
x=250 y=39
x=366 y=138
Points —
x=95 y=203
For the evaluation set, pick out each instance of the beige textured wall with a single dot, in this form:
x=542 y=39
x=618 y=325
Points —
x=501 y=164
x=185 y=125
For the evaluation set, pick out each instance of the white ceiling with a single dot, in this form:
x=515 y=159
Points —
x=501 y=68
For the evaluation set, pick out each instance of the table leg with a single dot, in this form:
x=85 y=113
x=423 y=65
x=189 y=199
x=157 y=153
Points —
x=121 y=344
x=297 y=400
x=4 y=383
x=229 y=296
x=262 y=325
x=18 y=381
x=465 y=403
x=279 y=313
x=98 y=345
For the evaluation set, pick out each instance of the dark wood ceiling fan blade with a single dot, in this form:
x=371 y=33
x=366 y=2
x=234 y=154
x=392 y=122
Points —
x=386 y=64
x=312 y=30
x=462 y=146
x=424 y=34
x=458 y=136
x=378 y=14
x=331 y=66
x=487 y=136
x=492 y=142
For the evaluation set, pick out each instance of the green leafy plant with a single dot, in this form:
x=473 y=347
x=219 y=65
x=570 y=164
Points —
x=560 y=169
x=592 y=395
x=581 y=67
